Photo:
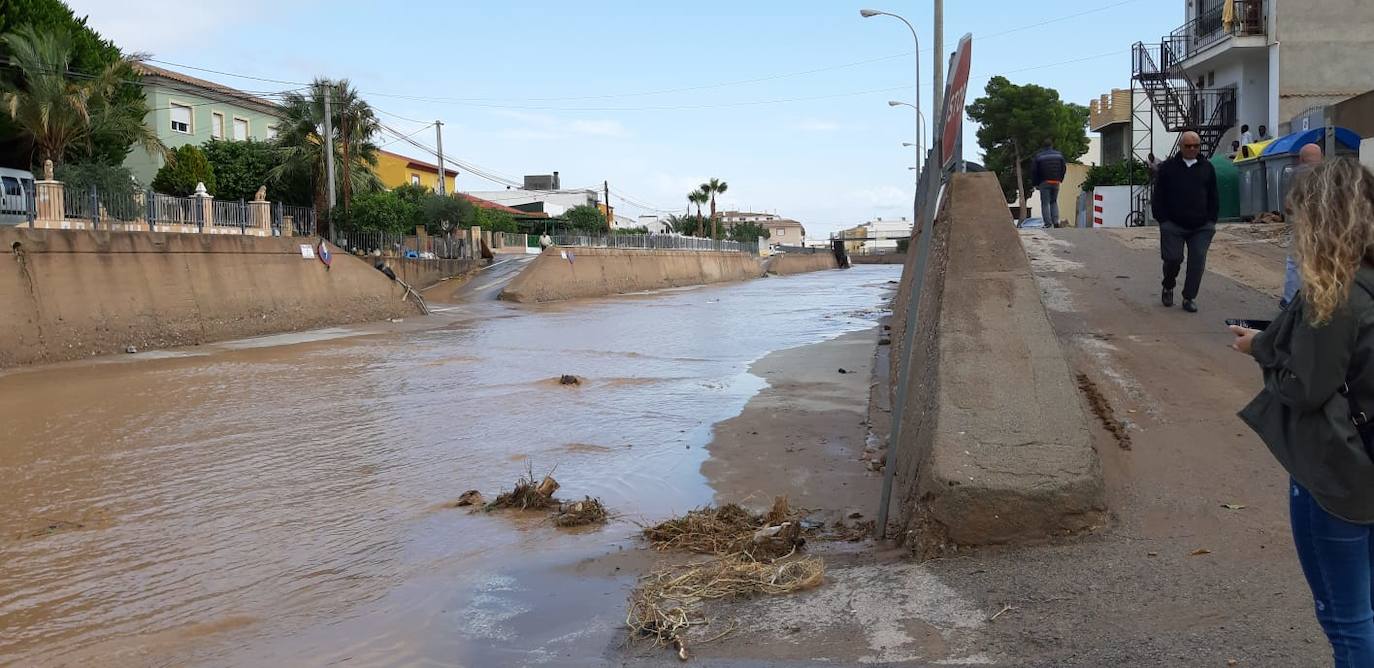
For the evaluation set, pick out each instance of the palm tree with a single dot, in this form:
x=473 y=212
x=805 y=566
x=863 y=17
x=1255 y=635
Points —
x=698 y=198
x=63 y=112
x=299 y=136
x=714 y=187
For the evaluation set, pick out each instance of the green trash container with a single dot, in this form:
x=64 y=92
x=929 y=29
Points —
x=1228 y=188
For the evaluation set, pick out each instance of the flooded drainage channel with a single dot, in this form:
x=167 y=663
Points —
x=289 y=504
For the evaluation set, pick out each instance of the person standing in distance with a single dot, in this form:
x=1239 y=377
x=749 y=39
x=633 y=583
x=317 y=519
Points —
x=1245 y=137
x=1185 y=204
x=1047 y=172
x=1309 y=156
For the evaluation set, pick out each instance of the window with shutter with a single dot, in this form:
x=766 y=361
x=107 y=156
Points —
x=181 y=118
x=240 y=129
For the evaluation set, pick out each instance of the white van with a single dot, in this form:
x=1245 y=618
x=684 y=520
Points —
x=16 y=196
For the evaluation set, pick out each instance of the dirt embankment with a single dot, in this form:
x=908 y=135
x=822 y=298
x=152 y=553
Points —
x=70 y=294
x=570 y=273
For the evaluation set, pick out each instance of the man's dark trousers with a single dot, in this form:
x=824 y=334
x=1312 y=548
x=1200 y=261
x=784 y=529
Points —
x=1172 y=240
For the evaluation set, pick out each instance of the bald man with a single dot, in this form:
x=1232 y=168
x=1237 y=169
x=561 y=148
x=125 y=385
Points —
x=1185 y=204
x=1309 y=156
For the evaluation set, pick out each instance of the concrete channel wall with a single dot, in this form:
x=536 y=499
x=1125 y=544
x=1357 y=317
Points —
x=68 y=294
x=800 y=263
x=421 y=274
x=570 y=273
x=995 y=445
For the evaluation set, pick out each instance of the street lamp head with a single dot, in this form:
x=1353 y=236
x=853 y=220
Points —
x=869 y=13
x=894 y=103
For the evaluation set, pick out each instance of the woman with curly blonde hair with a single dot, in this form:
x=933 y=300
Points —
x=1316 y=411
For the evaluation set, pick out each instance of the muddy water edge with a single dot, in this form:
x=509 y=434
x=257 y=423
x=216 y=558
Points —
x=251 y=505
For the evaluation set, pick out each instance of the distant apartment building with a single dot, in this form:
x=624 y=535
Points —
x=1120 y=124
x=184 y=110
x=1255 y=62
x=780 y=230
x=876 y=236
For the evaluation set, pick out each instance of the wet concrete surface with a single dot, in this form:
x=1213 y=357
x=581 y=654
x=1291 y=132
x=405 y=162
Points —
x=280 y=501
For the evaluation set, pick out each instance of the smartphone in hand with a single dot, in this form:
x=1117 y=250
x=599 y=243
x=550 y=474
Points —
x=1249 y=324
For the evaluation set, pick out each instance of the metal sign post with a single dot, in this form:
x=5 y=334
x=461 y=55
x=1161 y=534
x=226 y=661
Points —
x=927 y=204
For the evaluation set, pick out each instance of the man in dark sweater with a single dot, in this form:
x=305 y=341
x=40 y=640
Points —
x=1185 y=204
x=1047 y=172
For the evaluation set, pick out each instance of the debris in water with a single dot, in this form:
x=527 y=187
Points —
x=569 y=379
x=130 y=349
x=528 y=494
x=1233 y=506
x=1104 y=412
x=1199 y=552
x=730 y=529
x=842 y=370
x=668 y=601
x=580 y=513
x=884 y=341
x=56 y=526
x=471 y=497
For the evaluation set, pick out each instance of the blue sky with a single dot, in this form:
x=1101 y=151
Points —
x=786 y=101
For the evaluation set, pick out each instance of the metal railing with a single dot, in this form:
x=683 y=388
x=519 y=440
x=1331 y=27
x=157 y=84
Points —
x=655 y=241
x=300 y=218
x=375 y=242
x=137 y=209
x=1211 y=26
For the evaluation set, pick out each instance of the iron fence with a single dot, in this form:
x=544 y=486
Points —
x=655 y=241
x=300 y=218
x=375 y=242
x=1210 y=26
x=133 y=209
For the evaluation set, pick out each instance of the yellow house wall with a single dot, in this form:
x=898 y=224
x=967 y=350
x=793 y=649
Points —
x=394 y=173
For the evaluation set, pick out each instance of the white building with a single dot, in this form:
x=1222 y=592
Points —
x=1110 y=116
x=883 y=234
x=652 y=223
x=552 y=202
x=1256 y=62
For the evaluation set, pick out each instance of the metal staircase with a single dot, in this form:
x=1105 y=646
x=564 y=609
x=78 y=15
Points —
x=1178 y=102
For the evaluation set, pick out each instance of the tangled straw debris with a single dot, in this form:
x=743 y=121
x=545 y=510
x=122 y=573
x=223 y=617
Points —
x=667 y=603
x=471 y=497
x=528 y=495
x=730 y=529
x=580 y=513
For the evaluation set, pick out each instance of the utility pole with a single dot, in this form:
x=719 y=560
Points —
x=607 y=185
x=439 y=144
x=329 y=151
x=938 y=86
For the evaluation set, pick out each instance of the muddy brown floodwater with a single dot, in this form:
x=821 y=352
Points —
x=258 y=504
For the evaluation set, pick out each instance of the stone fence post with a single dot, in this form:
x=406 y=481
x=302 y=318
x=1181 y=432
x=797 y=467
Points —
x=50 y=201
x=205 y=204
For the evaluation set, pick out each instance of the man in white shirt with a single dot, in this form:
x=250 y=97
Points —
x=1246 y=138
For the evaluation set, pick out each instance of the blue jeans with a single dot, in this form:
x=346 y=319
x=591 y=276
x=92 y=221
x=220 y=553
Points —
x=1291 y=281
x=1336 y=558
x=1049 y=205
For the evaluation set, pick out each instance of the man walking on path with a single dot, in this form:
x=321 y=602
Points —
x=1047 y=172
x=1309 y=156
x=1185 y=204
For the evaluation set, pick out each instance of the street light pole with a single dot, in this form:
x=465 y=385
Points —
x=920 y=127
x=870 y=13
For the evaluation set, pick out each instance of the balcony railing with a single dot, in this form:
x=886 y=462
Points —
x=1213 y=25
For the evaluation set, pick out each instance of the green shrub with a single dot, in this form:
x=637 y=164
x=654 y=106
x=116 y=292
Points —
x=186 y=167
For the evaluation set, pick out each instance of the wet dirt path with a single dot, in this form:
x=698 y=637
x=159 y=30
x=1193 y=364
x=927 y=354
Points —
x=254 y=504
